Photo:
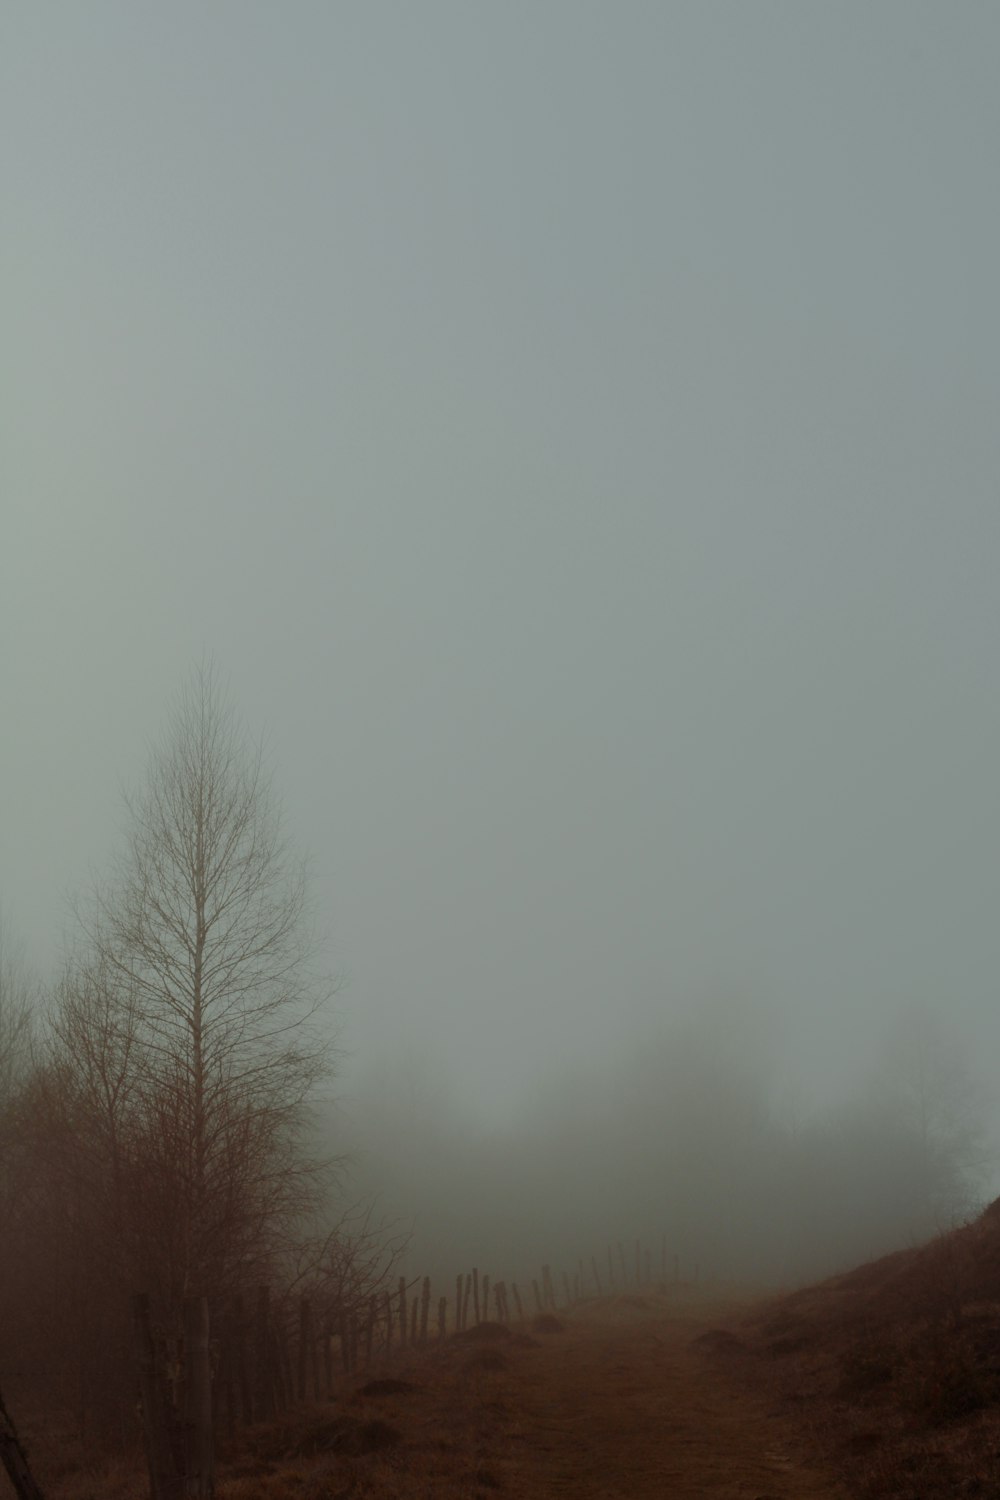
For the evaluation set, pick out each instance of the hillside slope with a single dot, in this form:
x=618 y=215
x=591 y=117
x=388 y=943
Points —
x=895 y=1366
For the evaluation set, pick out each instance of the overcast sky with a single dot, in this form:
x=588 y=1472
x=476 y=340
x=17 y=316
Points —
x=573 y=429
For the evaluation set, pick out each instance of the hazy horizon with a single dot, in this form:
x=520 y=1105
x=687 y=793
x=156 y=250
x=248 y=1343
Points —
x=571 y=430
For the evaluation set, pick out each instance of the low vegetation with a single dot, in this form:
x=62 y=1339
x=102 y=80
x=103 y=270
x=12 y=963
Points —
x=894 y=1367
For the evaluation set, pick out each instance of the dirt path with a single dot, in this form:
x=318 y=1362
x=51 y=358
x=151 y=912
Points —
x=622 y=1404
x=625 y=1404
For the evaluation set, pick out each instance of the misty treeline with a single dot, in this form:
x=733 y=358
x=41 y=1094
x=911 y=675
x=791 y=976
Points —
x=693 y=1132
x=154 y=1105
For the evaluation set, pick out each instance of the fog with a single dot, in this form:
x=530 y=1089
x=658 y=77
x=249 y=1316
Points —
x=572 y=432
x=690 y=1137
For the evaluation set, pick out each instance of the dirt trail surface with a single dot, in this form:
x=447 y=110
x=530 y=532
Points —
x=626 y=1400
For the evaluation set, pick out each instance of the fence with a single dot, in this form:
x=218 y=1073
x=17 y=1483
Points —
x=264 y=1355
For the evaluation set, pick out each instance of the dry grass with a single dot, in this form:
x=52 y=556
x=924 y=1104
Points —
x=613 y=1400
x=895 y=1367
x=888 y=1377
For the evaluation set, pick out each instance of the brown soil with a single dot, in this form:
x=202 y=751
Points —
x=626 y=1403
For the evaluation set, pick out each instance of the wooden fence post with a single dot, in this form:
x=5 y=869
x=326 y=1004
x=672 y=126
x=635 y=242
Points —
x=370 y=1329
x=164 y=1470
x=425 y=1307
x=314 y=1360
x=517 y=1301
x=305 y=1330
x=225 y=1379
x=345 y=1342
x=388 y=1321
x=442 y=1316
x=240 y=1358
x=263 y=1405
x=597 y=1276
x=486 y=1299
x=475 y=1292
x=198 y=1445
x=402 y=1310
x=281 y=1368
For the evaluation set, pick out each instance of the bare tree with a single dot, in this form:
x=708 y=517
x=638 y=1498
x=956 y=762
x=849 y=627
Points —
x=191 y=1022
x=928 y=1083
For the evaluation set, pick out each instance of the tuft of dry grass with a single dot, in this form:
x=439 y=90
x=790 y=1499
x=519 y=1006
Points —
x=385 y=1387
